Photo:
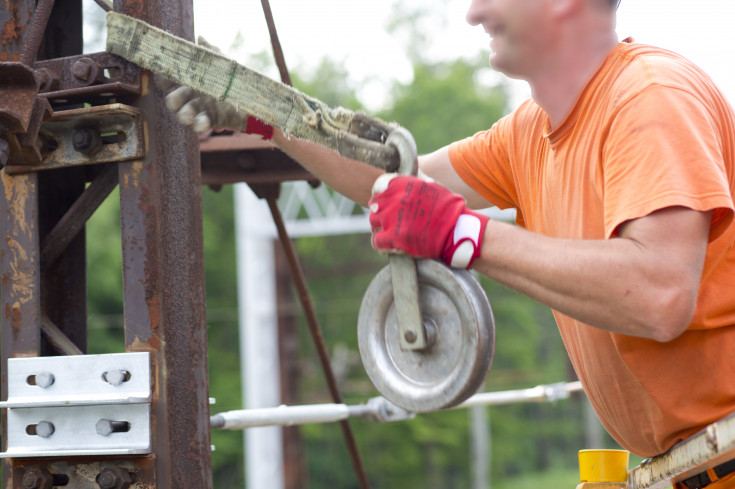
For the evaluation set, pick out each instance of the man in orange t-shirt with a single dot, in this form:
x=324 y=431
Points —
x=621 y=168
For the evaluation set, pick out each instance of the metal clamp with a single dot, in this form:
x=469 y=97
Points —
x=403 y=268
x=87 y=136
x=78 y=405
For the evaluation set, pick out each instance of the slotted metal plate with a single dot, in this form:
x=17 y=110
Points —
x=55 y=404
x=75 y=431
x=78 y=380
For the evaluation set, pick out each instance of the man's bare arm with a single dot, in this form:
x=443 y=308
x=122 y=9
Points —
x=643 y=283
x=351 y=178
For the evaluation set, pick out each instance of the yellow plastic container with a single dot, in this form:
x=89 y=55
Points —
x=603 y=465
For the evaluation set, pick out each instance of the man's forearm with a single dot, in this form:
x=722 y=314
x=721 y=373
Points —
x=351 y=178
x=642 y=284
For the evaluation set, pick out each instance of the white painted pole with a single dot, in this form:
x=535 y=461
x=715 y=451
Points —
x=258 y=321
x=480 y=447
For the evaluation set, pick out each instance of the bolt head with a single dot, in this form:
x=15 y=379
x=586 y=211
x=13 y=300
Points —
x=45 y=380
x=30 y=480
x=410 y=336
x=37 y=478
x=104 y=427
x=114 y=478
x=48 y=80
x=115 y=377
x=86 y=140
x=44 y=429
x=84 y=69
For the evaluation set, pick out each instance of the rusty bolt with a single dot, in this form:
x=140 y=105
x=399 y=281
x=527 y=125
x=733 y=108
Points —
x=85 y=70
x=37 y=478
x=48 y=81
x=114 y=478
x=86 y=140
x=4 y=153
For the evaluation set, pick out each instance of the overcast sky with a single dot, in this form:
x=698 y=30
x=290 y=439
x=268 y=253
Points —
x=354 y=32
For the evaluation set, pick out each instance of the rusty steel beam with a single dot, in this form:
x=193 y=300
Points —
x=33 y=39
x=15 y=18
x=69 y=226
x=61 y=343
x=19 y=248
x=238 y=157
x=21 y=282
x=64 y=282
x=163 y=271
x=93 y=78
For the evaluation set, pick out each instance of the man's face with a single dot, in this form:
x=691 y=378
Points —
x=520 y=32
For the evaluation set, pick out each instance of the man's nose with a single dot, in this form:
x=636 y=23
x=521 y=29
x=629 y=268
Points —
x=475 y=12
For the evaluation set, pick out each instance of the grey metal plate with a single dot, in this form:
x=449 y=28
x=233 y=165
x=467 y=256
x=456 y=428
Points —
x=75 y=431
x=78 y=380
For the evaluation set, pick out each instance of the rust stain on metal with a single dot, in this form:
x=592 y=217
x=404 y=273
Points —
x=140 y=345
x=21 y=281
x=12 y=29
x=132 y=178
x=145 y=79
x=18 y=190
x=152 y=344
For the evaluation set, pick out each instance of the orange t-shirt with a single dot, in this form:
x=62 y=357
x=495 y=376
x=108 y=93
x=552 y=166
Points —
x=649 y=131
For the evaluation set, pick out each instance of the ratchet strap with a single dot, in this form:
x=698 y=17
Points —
x=352 y=134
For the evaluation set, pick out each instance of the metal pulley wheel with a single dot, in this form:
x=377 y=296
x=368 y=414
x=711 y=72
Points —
x=458 y=327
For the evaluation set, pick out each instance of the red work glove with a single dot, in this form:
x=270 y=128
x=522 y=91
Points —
x=424 y=219
x=256 y=126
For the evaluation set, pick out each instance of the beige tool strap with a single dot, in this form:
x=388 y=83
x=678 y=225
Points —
x=703 y=450
x=351 y=134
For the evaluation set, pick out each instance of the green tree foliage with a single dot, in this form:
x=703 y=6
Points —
x=445 y=102
x=328 y=82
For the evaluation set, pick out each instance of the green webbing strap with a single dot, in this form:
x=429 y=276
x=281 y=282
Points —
x=352 y=134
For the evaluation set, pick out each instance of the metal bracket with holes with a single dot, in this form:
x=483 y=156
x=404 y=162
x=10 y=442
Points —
x=89 y=136
x=79 y=405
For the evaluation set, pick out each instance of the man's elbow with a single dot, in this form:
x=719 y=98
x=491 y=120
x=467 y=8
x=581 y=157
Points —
x=672 y=312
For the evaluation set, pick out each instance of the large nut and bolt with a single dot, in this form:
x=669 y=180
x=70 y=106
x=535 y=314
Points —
x=44 y=429
x=106 y=427
x=86 y=140
x=48 y=81
x=114 y=478
x=85 y=70
x=116 y=376
x=37 y=478
x=44 y=380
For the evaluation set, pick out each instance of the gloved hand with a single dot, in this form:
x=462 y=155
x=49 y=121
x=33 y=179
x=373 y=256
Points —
x=424 y=219
x=203 y=112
